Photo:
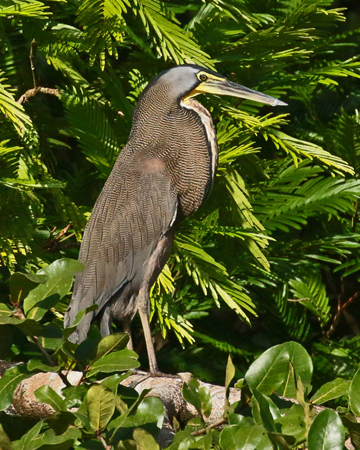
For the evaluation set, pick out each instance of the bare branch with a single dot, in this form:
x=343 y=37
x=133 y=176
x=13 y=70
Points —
x=32 y=92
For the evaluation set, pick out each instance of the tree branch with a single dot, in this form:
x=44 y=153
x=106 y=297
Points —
x=32 y=92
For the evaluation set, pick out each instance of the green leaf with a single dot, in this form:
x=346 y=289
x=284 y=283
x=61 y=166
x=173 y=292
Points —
x=60 y=276
x=46 y=394
x=354 y=394
x=64 y=441
x=235 y=437
x=326 y=432
x=51 y=336
x=108 y=344
x=27 y=326
x=150 y=410
x=353 y=427
x=86 y=351
x=197 y=396
x=144 y=440
x=277 y=369
x=27 y=441
x=8 y=383
x=115 y=362
x=5 y=310
x=329 y=391
x=35 y=364
x=113 y=381
x=22 y=283
x=266 y=411
x=100 y=404
x=293 y=423
x=229 y=375
x=182 y=441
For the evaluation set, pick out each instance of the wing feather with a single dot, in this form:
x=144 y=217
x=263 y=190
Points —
x=134 y=210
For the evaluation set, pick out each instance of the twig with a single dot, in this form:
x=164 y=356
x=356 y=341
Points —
x=106 y=446
x=21 y=316
x=339 y=312
x=32 y=61
x=43 y=351
x=213 y=425
x=32 y=92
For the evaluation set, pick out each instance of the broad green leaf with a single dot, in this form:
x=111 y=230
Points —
x=46 y=394
x=113 y=381
x=86 y=351
x=115 y=362
x=197 y=396
x=354 y=394
x=204 y=442
x=22 y=283
x=150 y=410
x=293 y=423
x=74 y=395
x=182 y=440
x=60 y=276
x=266 y=411
x=108 y=344
x=51 y=336
x=329 y=391
x=276 y=369
x=5 y=311
x=92 y=444
x=49 y=439
x=27 y=441
x=237 y=437
x=100 y=404
x=28 y=326
x=8 y=383
x=353 y=427
x=144 y=440
x=116 y=424
x=326 y=432
x=35 y=364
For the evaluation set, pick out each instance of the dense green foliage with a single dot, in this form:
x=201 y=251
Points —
x=272 y=256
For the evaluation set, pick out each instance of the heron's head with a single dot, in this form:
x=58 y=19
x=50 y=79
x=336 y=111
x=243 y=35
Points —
x=186 y=81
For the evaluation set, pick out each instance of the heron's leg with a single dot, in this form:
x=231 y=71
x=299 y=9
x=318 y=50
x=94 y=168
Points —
x=105 y=321
x=127 y=329
x=143 y=308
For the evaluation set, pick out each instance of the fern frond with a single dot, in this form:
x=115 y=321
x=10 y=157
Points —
x=292 y=315
x=211 y=276
x=10 y=108
x=92 y=127
x=171 y=41
x=298 y=196
x=311 y=293
x=30 y=8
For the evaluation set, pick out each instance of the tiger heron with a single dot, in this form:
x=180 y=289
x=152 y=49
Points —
x=163 y=175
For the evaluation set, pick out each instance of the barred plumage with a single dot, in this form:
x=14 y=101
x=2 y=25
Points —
x=164 y=174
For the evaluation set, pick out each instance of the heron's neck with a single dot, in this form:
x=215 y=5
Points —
x=206 y=119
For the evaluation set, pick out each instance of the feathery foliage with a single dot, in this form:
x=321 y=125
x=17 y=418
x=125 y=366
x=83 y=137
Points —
x=274 y=254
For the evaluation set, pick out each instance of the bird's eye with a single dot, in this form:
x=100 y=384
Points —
x=203 y=77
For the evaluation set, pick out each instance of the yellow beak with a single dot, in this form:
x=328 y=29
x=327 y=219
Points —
x=226 y=87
